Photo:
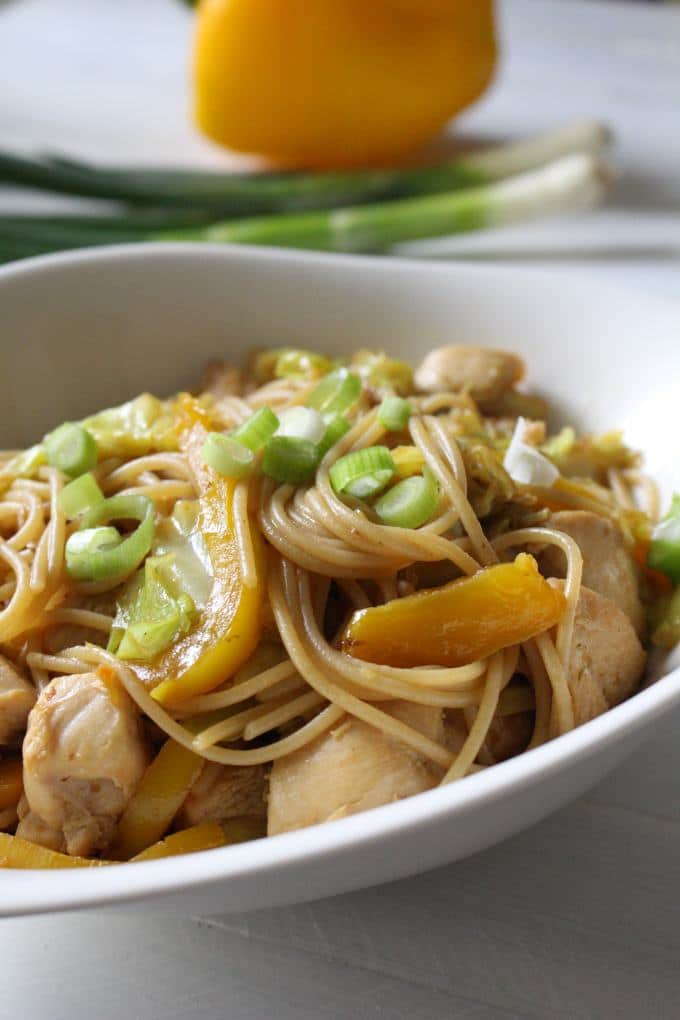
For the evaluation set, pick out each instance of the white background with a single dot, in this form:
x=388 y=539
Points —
x=577 y=918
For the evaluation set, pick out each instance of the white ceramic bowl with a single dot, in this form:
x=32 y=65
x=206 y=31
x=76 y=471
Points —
x=85 y=330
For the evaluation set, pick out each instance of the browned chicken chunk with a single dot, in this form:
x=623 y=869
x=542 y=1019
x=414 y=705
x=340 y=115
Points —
x=484 y=374
x=84 y=756
x=507 y=736
x=222 y=792
x=607 y=659
x=350 y=769
x=17 y=698
x=607 y=566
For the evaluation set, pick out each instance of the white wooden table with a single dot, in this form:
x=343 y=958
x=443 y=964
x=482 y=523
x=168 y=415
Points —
x=577 y=918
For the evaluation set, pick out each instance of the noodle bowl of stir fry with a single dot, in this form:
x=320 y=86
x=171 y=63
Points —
x=307 y=583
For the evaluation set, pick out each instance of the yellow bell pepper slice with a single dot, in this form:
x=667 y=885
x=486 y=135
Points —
x=231 y=622
x=187 y=841
x=206 y=836
x=408 y=461
x=157 y=799
x=461 y=622
x=20 y=853
x=11 y=783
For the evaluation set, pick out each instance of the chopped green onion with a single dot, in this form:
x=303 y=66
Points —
x=336 y=393
x=111 y=559
x=664 y=551
x=337 y=427
x=394 y=413
x=72 y=449
x=302 y=423
x=81 y=546
x=362 y=473
x=227 y=456
x=80 y=495
x=409 y=504
x=289 y=460
x=256 y=431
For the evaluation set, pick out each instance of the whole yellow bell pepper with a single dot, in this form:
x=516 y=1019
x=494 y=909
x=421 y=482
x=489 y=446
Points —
x=337 y=82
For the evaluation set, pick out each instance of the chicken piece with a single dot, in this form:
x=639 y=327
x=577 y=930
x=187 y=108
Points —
x=350 y=769
x=32 y=828
x=507 y=736
x=222 y=380
x=607 y=566
x=222 y=792
x=607 y=659
x=17 y=698
x=84 y=755
x=483 y=373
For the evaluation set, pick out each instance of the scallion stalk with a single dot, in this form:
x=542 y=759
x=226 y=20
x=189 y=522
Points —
x=229 y=194
x=571 y=182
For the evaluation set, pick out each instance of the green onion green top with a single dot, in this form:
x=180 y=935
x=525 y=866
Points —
x=80 y=495
x=394 y=413
x=410 y=503
x=664 y=551
x=105 y=554
x=363 y=474
x=336 y=393
x=72 y=449
x=256 y=430
x=337 y=427
x=290 y=460
x=227 y=456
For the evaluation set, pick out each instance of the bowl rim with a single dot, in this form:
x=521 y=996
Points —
x=35 y=891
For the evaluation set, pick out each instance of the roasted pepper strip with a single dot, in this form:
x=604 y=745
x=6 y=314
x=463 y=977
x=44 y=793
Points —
x=11 y=783
x=20 y=853
x=231 y=622
x=408 y=461
x=460 y=623
x=158 y=798
x=206 y=836
x=188 y=841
